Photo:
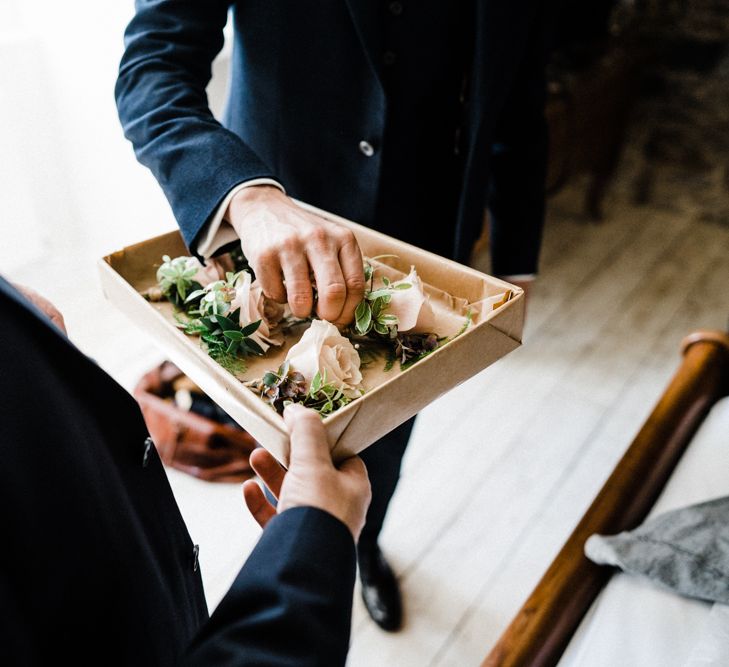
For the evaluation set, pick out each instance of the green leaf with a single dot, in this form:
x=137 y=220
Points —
x=253 y=347
x=251 y=328
x=381 y=329
x=316 y=383
x=389 y=360
x=363 y=317
x=194 y=295
x=376 y=294
x=270 y=379
x=362 y=307
x=403 y=286
x=233 y=335
x=385 y=281
x=226 y=324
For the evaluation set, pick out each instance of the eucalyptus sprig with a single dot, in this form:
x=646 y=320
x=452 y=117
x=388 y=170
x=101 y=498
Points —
x=175 y=279
x=287 y=386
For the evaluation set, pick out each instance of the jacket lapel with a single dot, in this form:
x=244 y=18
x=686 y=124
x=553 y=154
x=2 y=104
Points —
x=365 y=18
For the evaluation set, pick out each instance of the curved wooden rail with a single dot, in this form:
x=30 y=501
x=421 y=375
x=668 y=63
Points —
x=541 y=630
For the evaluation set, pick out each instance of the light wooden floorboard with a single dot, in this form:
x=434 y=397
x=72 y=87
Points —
x=544 y=533
x=539 y=430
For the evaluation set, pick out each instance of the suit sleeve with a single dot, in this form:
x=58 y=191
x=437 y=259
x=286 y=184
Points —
x=291 y=603
x=163 y=108
x=518 y=166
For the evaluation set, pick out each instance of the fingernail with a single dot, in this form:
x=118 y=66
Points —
x=291 y=411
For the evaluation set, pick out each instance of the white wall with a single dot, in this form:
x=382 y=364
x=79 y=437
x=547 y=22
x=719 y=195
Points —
x=71 y=190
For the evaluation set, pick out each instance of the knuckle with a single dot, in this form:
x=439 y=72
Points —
x=265 y=257
x=319 y=235
x=346 y=237
x=291 y=244
x=335 y=290
x=278 y=295
x=356 y=284
x=299 y=299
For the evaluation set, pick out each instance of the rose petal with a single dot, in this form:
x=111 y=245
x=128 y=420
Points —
x=411 y=306
x=323 y=349
x=255 y=306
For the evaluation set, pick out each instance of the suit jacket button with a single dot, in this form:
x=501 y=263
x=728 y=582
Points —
x=365 y=147
x=148 y=444
x=395 y=8
x=195 y=554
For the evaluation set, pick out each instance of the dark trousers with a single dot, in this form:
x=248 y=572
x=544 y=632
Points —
x=383 y=461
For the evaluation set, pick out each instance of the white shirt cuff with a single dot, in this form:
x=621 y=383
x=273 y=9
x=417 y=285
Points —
x=519 y=277
x=218 y=232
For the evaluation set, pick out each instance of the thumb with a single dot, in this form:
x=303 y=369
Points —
x=308 y=438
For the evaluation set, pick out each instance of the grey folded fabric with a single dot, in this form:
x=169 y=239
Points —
x=686 y=550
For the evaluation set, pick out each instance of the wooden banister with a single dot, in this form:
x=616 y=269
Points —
x=541 y=630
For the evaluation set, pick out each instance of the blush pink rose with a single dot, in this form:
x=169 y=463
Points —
x=254 y=306
x=323 y=349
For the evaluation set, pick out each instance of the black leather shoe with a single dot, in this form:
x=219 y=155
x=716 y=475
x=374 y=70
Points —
x=380 y=590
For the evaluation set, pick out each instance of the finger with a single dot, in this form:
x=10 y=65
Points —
x=308 y=439
x=261 y=510
x=330 y=284
x=58 y=320
x=355 y=470
x=354 y=466
x=298 y=283
x=268 y=273
x=268 y=469
x=350 y=261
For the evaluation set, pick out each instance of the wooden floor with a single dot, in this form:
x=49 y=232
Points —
x=500 y=469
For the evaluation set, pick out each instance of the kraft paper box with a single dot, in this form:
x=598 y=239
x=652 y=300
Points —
x=391 y=397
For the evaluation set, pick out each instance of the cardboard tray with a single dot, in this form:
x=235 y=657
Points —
x=391 y=397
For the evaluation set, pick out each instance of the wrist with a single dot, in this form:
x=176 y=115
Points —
x=254 y=194
x=246 y=199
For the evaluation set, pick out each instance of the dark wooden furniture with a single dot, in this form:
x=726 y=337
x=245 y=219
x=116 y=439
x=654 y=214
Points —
x=541 y=630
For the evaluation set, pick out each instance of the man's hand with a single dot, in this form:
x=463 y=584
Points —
x=312 y=480
x=285 y=245
x=44 y=305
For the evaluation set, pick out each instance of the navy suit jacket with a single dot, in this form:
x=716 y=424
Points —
x=96 y=564
x=305 y=91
